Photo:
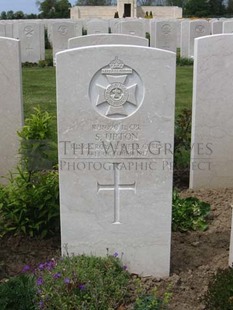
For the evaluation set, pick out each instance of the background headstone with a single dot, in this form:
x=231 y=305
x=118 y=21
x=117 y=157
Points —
x=132 y=27
x=31 y=36
x=164 y=35
x=61 y=32
x=97 y=26
x=197 y=28
x=11 y=110
x=212 y=120
x=100 y=39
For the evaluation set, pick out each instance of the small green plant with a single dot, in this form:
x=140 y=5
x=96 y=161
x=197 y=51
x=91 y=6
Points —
x=18 y=293
x=29 y=203
x=38 y=151
x=149 y=299
x=189 y=213
x=182 y=145
x=219 y=295
x=82 y=282
x=181 y=61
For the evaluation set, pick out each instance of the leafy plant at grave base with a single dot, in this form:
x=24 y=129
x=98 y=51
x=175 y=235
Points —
x=182 y=145
x=29 y=203
x=37 y=150
x=150 y=300
x=189 y=213
x=82 y=282
x=18 y=293
x=219 y=295
x=181 y=61
x=29 y=64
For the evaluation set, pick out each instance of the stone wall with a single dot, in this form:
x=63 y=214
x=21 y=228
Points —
x=107 y=12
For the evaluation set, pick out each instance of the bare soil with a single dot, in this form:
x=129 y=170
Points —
x=195 y=256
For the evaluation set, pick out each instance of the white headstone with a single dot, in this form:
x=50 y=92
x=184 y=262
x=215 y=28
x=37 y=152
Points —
x=61 y=33
x=132 y=27
x=184 y=39
x=217 y=27
x=164 y=35
x=212 y=125
x=103 y=39
x=113 y=24
x=228 y=26
x=198 y=28
x=31 y=36
x=97 y=26
x=2 y=29
x=11 y=110
x=115 y=120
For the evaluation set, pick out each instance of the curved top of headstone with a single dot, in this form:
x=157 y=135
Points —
x=105 y=39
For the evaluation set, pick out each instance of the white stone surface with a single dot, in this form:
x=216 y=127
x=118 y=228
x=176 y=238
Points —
x=78 y=28
x=61 y=32
x=11 y=110
x=97 y=26
x=100 y=39
x=134 y=27
x=2 y=29
x=31 y=36
x=228 y=26
x=164 y=35
x=217 y=27
x=212 y=122
x=198 y=28
x=113 y=24
x=117 y=112
x=184 y=40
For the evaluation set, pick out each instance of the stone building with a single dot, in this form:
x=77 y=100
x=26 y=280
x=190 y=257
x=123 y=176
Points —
x=125 y=8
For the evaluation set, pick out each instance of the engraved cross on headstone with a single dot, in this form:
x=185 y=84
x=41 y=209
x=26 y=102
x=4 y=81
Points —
x=116 y=187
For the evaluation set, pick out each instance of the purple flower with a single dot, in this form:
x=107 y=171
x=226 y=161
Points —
x=81 y=287
x=41 y=266
x=67 y=280
x=57 y=275
x=50 y=265
x=124 y=267
x=26 y=268
x=115 y=254
x=41 y=304
x=39 y=281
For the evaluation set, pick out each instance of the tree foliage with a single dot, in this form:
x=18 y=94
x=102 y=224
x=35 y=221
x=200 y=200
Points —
x=230 y=7
x=54 y=8
x=203 y=8
x=93 y=2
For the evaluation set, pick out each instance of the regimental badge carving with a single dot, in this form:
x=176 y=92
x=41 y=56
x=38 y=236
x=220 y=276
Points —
x=200 y=29
x=63 y=30
x=28 y=31
x=116 y=91
x=166 y=29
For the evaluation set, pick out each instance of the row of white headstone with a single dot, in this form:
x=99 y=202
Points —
x=115 y=135
x=164 y=34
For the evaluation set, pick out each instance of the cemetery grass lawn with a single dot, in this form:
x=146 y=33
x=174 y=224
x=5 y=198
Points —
x=39 y=89
x=184 y=84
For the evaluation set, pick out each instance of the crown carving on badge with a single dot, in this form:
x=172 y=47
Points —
x=116 y=64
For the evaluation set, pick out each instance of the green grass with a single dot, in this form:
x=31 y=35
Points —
x=39 y=88
x=184 y=84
